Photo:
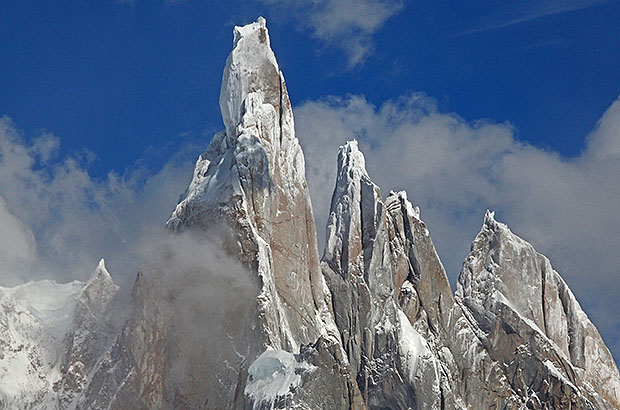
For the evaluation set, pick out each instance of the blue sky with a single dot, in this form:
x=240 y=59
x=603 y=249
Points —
x=116 y=78
x=468 y=105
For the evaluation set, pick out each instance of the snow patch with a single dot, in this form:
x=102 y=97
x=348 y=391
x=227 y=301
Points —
x=558 y=374
x=51 y=303
x=274 y=376
x=411 y=346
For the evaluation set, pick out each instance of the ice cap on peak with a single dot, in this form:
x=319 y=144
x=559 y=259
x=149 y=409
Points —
x=99 y=289
x=493 y=224
x=249 y=30
x=351 y=158
x=101 y=275
x=101 y=269
x=401 y=196
x=251 y=67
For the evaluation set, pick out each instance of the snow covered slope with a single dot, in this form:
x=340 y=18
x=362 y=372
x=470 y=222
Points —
x=35 y=319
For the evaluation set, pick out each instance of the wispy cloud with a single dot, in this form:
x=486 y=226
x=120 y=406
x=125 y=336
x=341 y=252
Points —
x=57 y=220
x=346 y=24
x=524 y=11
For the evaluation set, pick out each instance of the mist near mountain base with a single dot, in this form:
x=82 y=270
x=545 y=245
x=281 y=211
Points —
x=209 y=300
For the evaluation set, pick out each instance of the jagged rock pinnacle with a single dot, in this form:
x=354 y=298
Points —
x=101 y=271
x=251 y=67
x=351 y=159
x=373 y=325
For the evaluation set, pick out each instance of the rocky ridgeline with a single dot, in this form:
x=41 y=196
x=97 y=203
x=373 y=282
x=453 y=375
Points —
x=264 y=323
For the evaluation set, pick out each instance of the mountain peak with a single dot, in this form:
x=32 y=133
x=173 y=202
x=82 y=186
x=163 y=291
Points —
x=505 y=280
x=489 y=218
x=401 y=198
x=101 y=272
x=258 y=28
x=351 y=159
x=253 y=173
x=100 y=287
x=251 y=68
x=263 y=323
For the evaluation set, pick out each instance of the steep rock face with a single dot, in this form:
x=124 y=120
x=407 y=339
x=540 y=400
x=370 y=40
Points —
x=407 y=342
x=89 y=336
x=191 y=333
x=233 y=309
x=385 y=353
x=470 y=378
x=532 y=324
x=252 y=178
x=129 y=375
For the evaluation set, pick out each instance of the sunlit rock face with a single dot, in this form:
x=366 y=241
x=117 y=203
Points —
x=252 y=179
x=532 y=324
x=407 y=341
x=385 y=352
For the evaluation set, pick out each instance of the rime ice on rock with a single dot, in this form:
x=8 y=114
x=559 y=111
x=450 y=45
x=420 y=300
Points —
x=544 y=332
x=391 y=361
x=249 y=192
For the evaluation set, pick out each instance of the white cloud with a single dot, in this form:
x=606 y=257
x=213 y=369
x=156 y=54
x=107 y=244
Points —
x=17 y=246
x=605 y=140
x=57 y=221
x=567 y=208
x=347 y=24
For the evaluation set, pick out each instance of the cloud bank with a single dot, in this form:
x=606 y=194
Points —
x=454 y=170
x=57 y=221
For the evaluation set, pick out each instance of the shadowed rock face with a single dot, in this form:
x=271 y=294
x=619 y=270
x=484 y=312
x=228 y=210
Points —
x=90 y=335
